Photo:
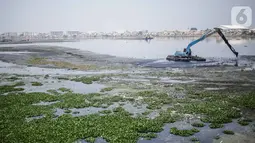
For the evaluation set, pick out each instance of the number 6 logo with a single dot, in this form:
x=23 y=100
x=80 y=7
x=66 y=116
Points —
x=241 y=15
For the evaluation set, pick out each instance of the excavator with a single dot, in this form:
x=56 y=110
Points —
x=186 y=55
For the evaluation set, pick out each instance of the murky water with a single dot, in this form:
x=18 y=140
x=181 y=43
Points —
x=92 y=110
x=213 y=49
x=205 y=134
x=159 y=48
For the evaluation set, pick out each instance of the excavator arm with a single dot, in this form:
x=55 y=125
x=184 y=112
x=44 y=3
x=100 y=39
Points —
x=207 y=34
x=187 y=51
x=226 y=41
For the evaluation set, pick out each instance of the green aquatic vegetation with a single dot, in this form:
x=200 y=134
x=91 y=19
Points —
x=62 y=78
x=119 y=126
x=68 y=111
x=216 y=111
x=148 y=136
x=76 y=112
x=146 y=93
x=21 y=83
x=70 y=100
x=105 y=111
x=113 y=128
x=217 y=137
x=146 y=112
x=215 y=126
x=63 y=89
x=179 y=88
x=196 y=124
x=12 y=78
x=54 y=92
x=167 y=117
x=118 y=109
x=106 y=89
x=122 y=111
x=155 y=100
x=244 y=122
x=106 y=101
x=194 y=139
x=36 y=83
x=184 y=133
x=115 y=99
x=74 y=100
x=86 y=80
x=246 y=100
x=228 y=132
x=183 y=100
x=9 y=88
x=90 y=139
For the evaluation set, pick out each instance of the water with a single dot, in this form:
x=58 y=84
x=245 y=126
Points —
x=159 y=48
x=154 y=53
x=205 y=134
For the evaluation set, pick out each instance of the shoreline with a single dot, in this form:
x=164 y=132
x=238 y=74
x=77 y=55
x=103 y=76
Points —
x=121 y=38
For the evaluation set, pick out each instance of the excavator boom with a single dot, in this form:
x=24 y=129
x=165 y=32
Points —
x=187 y=51
x=186 y=54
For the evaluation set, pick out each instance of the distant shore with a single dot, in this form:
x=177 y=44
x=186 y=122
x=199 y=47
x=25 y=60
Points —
x=40 y=41
x=243 y=36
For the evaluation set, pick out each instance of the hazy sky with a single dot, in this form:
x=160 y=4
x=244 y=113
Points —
x=110 y=15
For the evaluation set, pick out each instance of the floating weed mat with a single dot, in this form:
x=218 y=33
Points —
x=12 y=78
x=63 y=89
x=11 y=88
x=217 y=108
x=86 y=80
x=117 y=126
x=184 y=133
x=106 y=89
x=155 y=100
x=36 y=84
